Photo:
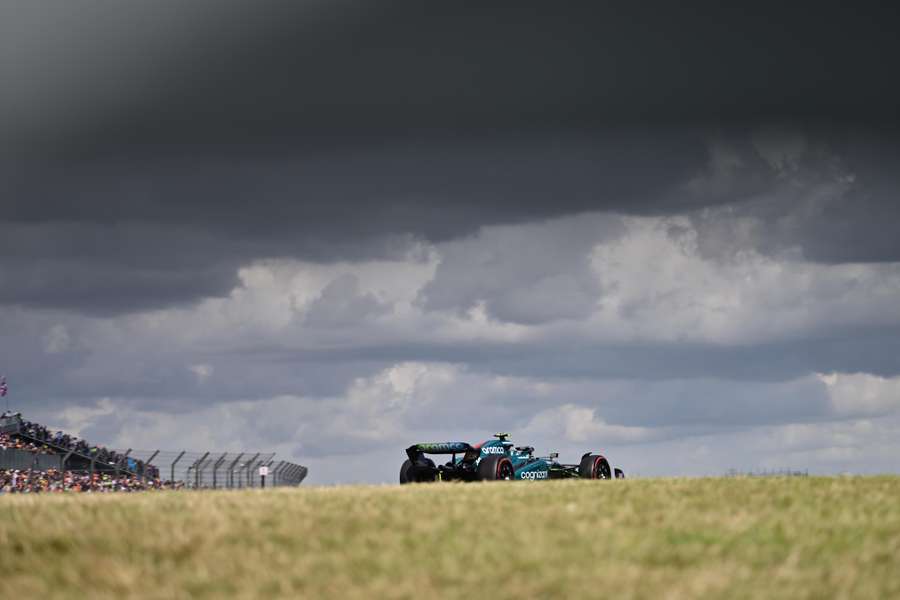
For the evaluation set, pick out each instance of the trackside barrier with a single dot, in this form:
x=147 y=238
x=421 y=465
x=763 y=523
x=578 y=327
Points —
x=15 y=458
x=197 y=470
x=222 y=470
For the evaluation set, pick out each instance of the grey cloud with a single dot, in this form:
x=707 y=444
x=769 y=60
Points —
x=150 y=151
x=565 y=357
x=126 y=235
x=132 y=235
x=834 y=198
x=341 y=303
x=94 y=289
x=524 y=274
x=791 y=426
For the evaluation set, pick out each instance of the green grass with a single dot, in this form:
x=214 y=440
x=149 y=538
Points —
x=663 y=538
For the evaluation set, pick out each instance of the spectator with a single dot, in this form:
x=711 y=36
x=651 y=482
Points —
x=35 y=437
x=27 y=481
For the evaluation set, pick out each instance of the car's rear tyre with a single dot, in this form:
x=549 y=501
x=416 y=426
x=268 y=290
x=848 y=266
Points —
x=409 y=474
x=495 y=468
x=405 y=476
x=620 y=474
x=594 y=466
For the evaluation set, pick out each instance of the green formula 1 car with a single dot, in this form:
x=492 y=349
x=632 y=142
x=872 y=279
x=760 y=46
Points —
x=497 y=459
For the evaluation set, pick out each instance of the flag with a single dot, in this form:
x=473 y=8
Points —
x=3 y=387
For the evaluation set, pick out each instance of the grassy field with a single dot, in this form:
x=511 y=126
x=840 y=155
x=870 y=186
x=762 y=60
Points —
x=664 y=538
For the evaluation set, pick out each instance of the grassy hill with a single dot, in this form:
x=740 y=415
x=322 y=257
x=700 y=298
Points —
x=663 y=538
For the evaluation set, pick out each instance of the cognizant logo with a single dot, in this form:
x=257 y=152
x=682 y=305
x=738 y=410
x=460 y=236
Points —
x=535 y=475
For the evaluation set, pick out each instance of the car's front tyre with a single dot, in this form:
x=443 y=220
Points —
x=594 y=466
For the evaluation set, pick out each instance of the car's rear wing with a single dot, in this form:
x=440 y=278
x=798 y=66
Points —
x=417 y=450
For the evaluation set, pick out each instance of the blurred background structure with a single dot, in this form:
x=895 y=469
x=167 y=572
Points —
x=28 y=446
x=222 y=470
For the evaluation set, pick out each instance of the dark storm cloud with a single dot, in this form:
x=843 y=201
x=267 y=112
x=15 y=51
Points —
x=863 y=226
x=122 y=235
x=150 y=149
x=834 y=194
x=304 y=73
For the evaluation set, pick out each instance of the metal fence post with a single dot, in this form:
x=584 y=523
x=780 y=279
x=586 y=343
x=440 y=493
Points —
x=216 y=469
x=65 y=460
x=230 y=479
x=126 y=469
x=247 y=470
x=275 y=474
x=147 y=464
x=175 y=462
x=197 y=466
x=262 y=478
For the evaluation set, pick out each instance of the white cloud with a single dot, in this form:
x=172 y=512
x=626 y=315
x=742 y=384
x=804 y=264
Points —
x=630 y=421
x=529 y=274
x=580 y=424
x=862 y=394
x=201 y=371
x=458 y=339
x=660 y=288
x=57 y=339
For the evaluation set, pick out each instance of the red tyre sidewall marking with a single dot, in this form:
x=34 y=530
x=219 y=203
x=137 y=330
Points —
x=597 y=467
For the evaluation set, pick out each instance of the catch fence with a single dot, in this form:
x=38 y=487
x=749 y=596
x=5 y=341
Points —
x=222 y=470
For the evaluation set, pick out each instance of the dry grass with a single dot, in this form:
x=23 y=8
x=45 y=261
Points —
x=710 y=538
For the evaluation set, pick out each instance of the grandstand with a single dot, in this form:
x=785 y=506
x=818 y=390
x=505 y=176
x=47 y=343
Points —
x=32 y=447
x=36 y=448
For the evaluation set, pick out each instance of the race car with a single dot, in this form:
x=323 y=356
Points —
x=495 y=460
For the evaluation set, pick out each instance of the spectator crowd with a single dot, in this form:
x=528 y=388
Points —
x=7 y=441
x=38 y=438
x=27 y=481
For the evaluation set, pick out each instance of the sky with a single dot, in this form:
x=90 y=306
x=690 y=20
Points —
x=332 y=229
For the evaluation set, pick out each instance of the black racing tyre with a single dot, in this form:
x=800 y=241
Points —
x=594 y=466
x=405 y=476
x=620 y=474
x=408 y=473
x=495 y=468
